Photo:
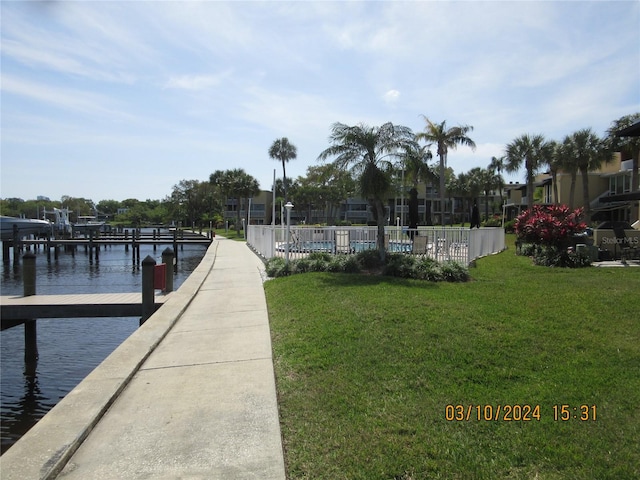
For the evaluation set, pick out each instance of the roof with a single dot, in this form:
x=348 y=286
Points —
x=632 y=130
x=621 y=197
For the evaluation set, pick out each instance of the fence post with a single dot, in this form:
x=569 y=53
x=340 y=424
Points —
x=148 y=292
x=167 y=259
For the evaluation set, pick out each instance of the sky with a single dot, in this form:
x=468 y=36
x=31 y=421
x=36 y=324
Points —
x=110 y=100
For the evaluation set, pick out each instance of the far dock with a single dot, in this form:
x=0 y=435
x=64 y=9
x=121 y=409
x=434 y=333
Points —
x=93 y=241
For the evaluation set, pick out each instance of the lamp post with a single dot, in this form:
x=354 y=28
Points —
x=288 y=206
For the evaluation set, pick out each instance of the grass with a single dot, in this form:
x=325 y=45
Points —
x=366 y=365
x=231 y=234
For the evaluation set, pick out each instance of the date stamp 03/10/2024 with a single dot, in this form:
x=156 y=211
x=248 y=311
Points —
x=519 y=413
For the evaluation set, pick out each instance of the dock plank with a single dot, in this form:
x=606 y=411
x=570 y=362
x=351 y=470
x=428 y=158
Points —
x=16 y=307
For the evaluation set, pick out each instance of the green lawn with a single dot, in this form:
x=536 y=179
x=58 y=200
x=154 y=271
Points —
x=367 y=365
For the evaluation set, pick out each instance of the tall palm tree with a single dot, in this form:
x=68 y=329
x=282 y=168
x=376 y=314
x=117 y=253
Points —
x=496 y=167
x=237 y=184
x=243 y=186
x=283 y=150
x=589 y=153
x=532 y=151
x=570 y=165
x=368 y=153
x=415 y=160
x=488 y=181
x=445 y=138
x=555 y=165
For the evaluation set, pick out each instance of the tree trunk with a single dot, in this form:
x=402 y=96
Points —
x=572 y=189
x=379 y=208
x=486 y=205
x=529 y=169
x=584 y=173
x=238 y=216
x=284 y=181
x=442 y=191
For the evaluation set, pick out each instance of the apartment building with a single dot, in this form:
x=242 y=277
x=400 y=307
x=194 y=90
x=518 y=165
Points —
x=611 y=197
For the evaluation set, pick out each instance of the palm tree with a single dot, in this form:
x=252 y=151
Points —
x=235 y=183
x=417 y=169
x=496 y=167
x=243 y=186
x=488 y=181
x=533 y=152
x=283 y=150
x=367 y=152
x=570 y=165
x=555 y=163
x=445 y=138
x=588 y=151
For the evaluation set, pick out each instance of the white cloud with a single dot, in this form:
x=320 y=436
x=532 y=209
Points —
x=196 y=82
x=391 y=96
x=66 y=99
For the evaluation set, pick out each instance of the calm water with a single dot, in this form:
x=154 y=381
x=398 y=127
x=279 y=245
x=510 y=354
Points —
x=69 y=349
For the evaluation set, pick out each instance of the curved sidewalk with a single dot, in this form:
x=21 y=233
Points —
x=202 y=405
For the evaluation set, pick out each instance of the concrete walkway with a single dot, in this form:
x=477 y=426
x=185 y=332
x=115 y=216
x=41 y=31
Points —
x=202 y=405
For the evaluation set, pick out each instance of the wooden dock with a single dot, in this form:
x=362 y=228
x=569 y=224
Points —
x=16 y=309
x=93 y=245
x=121 y=240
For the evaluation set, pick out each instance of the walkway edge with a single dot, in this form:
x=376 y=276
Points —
x=45 y=449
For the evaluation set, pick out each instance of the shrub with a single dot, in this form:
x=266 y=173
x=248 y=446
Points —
x=552 y=256
x=399 y=265
x=369 y=259
x=302 y=265
x=324 y=256
x=454 y=272
x=549 y=225
x=351 y=264
x=545 y=233
x=510 y=226
x=428 y=269
x=277 y=267
x=493 y=222
x=529 y=249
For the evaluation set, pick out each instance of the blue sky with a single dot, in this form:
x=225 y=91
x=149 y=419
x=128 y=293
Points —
x=115 y=100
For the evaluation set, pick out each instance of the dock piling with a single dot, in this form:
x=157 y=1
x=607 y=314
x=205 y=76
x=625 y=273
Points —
x=167 y=259
x=29 y=274
x=30 y=326
x=148 y=292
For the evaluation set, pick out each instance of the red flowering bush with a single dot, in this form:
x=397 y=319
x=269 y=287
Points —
x=549 y=225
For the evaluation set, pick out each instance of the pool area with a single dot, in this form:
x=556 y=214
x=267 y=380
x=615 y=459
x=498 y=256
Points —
x=440 y=243
x=330 y=247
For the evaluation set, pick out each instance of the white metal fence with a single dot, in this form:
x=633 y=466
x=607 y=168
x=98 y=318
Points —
x=441 y=243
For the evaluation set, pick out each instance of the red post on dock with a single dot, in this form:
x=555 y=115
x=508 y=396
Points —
x=160 y=277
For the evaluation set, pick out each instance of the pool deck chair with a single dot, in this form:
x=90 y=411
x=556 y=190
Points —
x=627 y=251
x=419 y=245
x=343 y=241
